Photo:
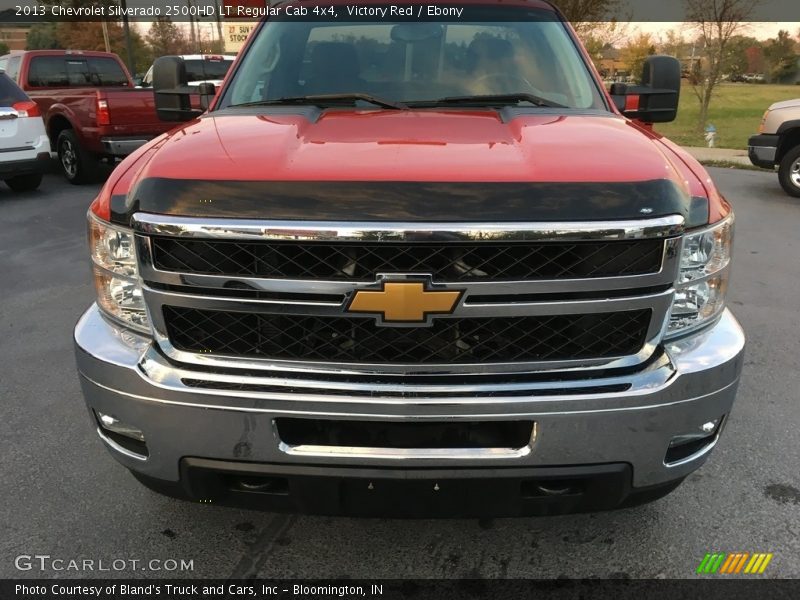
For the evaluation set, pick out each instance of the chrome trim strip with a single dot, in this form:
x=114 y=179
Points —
x=251 y=229
x=117 y=448
x=693 y=457
x=399 y=454
x=163 y=374
x=158 y=298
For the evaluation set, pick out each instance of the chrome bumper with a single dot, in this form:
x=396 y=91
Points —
x=762 y=150
x=123 y=146
x=693 y=383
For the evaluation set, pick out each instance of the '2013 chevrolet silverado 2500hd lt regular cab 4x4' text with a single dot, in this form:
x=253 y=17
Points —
x=412 y=267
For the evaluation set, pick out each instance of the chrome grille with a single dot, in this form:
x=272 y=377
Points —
x=262 y=295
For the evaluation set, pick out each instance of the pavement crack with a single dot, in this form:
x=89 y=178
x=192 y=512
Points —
x=256 y=555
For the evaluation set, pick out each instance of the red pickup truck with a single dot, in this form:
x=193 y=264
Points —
x=412 y=267
x=90 y=107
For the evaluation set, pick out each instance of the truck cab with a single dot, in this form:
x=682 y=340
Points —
x=412 y=266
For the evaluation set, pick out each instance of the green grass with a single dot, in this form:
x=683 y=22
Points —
x=729 y=164
x=735 y=111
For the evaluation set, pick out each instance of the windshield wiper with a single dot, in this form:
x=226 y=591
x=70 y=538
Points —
x=490 y=99
x=323 y=99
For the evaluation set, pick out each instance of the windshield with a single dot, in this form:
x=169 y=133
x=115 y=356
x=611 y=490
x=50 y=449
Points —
x=408 y=62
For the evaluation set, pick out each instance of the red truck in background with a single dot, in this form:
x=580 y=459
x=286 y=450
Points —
x=90 y=106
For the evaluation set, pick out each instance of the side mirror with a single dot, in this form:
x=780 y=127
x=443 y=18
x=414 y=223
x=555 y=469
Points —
x=171 y=89
x=656 y=100
x=207 y=92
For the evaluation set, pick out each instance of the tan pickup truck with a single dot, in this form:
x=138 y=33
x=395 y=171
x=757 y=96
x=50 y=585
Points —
x=778 y=143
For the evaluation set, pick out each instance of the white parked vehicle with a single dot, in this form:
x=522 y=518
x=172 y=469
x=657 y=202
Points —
x=24 y=146
x=200 y=68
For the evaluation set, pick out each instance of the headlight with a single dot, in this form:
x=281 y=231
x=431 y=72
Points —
x=703 y=277
x=116 y=275
x=763 y=122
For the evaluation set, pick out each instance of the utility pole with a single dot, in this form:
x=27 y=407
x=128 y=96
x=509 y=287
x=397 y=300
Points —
x=217 y=12
x=191 y=26
x=105 y=35
x=127 y=31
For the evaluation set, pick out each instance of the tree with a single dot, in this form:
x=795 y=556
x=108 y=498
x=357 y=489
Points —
x=88 y=35
x=780 y=57
x=42 y=36
x=165 y=37
x=636 y=51
x=755 y=59
x=672 y=43
x=139 y=57
x=4 y=49
x=597 y=23
x=586 y=15
x=741 y=50
x=716 y=22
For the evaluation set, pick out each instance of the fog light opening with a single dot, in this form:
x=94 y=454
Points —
x=122 y=437
x=552 y=488
x=255 y=484
x=689 y=446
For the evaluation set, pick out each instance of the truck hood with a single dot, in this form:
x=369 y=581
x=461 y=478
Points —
x=418 y=165
x=785 y=104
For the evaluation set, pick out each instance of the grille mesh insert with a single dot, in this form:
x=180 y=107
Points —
x=454 y=261
x=449 y=340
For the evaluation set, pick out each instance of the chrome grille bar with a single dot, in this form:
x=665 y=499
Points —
x=634 y=229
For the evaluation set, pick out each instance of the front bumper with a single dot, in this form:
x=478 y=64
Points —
x=762 y=150
x=693 y=383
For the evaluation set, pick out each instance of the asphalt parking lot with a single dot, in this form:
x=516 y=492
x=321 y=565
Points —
x=63 y=495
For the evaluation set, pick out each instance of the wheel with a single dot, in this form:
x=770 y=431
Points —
x=789 y=172
x=24 y=183
x=79 y=166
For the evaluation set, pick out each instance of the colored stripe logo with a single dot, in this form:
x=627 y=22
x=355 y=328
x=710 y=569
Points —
x=734 y=563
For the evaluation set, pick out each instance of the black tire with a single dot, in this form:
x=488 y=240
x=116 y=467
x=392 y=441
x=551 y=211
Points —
x=78 y=165
x=25 y=183
x=789 y=172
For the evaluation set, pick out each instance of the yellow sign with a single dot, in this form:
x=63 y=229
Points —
x=404 y=302
x=236 y=35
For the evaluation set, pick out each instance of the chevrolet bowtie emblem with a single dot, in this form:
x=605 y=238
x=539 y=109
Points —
x=404 y=302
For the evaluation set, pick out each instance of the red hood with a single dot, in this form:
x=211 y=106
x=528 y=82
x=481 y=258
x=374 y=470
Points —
x=413 y=146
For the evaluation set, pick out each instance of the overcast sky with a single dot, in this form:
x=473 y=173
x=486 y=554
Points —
x=757 y=30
